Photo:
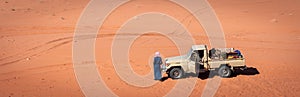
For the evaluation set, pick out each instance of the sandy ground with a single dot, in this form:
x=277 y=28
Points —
x=36 y=47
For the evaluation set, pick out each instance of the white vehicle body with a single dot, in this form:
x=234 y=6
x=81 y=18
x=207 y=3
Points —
x=199 y=55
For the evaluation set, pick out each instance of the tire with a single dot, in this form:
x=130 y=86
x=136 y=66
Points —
x=176 y=73
x=224 y=71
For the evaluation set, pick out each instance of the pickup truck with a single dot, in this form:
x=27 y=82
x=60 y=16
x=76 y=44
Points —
x=199 y=60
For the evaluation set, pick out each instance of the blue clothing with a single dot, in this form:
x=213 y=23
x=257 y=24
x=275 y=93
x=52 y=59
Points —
x=157 y=73
x=239 y=53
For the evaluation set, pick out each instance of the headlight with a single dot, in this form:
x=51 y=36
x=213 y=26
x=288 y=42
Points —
x=167 y=64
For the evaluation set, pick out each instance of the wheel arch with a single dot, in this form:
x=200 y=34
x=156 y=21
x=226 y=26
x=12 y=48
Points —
x=174 y=67
x=227 y=64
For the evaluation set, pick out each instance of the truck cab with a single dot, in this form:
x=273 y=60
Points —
x=199 y=60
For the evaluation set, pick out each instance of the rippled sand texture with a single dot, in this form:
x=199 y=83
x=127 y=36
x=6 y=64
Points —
x=36 y=47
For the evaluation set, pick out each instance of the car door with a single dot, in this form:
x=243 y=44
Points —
x=191 y=63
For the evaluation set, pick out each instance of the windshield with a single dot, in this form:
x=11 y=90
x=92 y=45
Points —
x=189 y=53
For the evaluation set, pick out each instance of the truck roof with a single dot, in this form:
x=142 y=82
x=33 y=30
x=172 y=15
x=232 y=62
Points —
x=199 y=47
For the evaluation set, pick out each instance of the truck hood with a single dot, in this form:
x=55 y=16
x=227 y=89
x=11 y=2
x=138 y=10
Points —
x=175 y=59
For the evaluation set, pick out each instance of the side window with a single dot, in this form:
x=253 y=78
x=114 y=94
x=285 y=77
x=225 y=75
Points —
x=201 y=53
x=197 y=55
x=193 y=56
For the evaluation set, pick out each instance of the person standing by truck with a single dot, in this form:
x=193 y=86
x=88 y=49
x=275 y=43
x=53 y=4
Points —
x=157 y=64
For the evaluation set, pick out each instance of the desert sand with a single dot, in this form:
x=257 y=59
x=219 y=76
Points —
x=36 y=47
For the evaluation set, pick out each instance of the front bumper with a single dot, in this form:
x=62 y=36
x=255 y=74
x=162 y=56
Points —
x=163 y=68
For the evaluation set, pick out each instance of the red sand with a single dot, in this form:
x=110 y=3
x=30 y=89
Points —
x=36 y=47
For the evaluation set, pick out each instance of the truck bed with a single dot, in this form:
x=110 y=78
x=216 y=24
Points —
x=238 y=62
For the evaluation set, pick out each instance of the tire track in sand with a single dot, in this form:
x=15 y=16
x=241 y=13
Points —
x=40 y=49
x=35 y=70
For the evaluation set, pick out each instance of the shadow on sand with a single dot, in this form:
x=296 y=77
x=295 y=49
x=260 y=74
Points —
x=163 y=78
x=248 y=71
x=206 y=75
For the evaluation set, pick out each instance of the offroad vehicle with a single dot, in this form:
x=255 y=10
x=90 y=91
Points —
x=199 y=60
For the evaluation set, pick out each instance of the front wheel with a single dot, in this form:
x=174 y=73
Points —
x=176 y=73
x=224 y=71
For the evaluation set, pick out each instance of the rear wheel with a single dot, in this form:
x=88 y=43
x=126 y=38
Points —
x=176 y=73
x=224 y=71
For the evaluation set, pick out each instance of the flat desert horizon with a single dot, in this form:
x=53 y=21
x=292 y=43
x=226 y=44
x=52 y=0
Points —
x=37 y=38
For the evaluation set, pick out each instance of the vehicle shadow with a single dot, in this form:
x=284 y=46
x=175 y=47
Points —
x=237 y=72
x=208 y=74
x=248 y=71
x=163 y=79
